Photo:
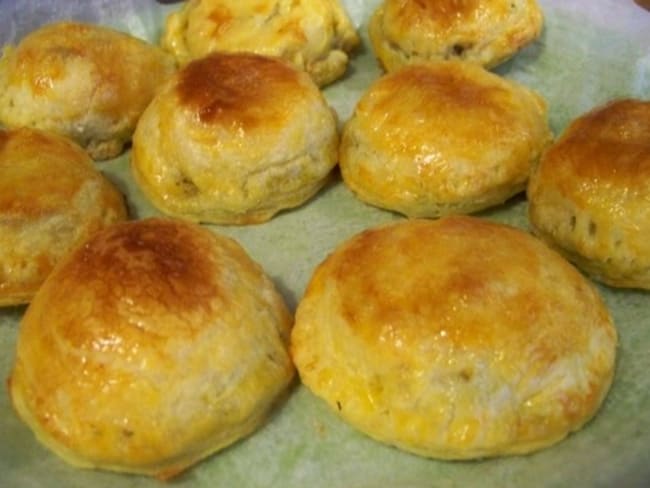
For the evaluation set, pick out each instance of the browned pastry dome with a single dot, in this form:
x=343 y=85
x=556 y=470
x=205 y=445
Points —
x=84 y=81
x=456 y=338
x=479 y=31
x=234 y=139
x=589 y=196
x=438 y=138
x=153 y=345
x=52 y=198
x=316 y=36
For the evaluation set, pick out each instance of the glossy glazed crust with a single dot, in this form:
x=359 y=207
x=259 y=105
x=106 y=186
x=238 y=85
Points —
x=483 y=32
x=84 y=81
x=234 y=139
x=439 y=138
x=154 y=345
x=589 y=195
x=456 y=338
x=313 y=35
x=51 y=199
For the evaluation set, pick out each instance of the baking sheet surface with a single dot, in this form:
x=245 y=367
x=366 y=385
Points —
x=591 y=51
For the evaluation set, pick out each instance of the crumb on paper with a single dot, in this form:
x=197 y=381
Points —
x=320 y=429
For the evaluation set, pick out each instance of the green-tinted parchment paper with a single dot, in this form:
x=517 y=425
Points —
x=590 y=52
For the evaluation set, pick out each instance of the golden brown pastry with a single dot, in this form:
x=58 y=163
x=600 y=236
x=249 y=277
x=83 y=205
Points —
x=51 y=199
x=313 y=35
x=590 y=194
x=482 y=32
x=153 y=345
x=456 y=338
x=234 y=139
x=440 y=138
x=84 y=81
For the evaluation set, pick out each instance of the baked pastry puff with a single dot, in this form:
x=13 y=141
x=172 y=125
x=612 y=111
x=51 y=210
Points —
x=52 y=198
x=456 y=338
x=316 y=36
x=589 y=197
x=150 y=347
x=84 y=81
x=443 y=137
x=233 y=139
x=483 y=32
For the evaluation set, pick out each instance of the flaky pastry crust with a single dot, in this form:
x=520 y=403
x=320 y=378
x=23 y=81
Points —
x=457 y=338
x=52 y=198
x=152 y=346
x=589 y=195
x=478 y=31
x=316 y=36
x=84 y=81
x=439 y=138
x=234 y=139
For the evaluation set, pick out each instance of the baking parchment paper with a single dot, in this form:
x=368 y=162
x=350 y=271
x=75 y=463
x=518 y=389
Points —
x=591 y=51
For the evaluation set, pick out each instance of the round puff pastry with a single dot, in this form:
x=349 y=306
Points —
x=84 y=81
x=455 y=339
x=314 y=35
x=234 y=139
x=153 y=345
x=442 y=137
x=484 y=32
x=51 y=199
x=589 y=195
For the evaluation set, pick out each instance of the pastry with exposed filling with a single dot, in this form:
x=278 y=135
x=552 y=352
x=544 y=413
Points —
x=316 y=36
